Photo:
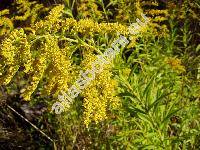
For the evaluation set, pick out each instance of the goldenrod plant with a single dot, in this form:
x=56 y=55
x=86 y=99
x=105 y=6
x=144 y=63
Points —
x=147 y=97
x=27 y=10
x=6 y=23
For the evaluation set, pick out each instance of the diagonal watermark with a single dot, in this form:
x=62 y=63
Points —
x=97 y=67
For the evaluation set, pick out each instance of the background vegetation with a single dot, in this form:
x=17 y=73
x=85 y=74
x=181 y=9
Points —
x=147 y=98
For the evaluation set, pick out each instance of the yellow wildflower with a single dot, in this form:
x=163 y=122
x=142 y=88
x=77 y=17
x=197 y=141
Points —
x=176 y=64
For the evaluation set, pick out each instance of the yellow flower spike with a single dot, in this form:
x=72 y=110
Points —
x=99 y=94
x=89 y=27
x=59 y=66
x=28 y=10
x=15 y=51
x=50 y=24
x=89 y=9
x=8 y=51
x=9 y=75
x=39 y=68
x=4 y=12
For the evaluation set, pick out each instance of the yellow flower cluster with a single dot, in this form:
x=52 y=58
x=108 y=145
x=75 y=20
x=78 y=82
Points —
x=148 y=3
x=52 y=65
x=138 y=7
x=39 y=66
x=176 y=65
x=59 y=66
x=158 y=17
x=89 y=27
x=15 y=50
x=88 y=8
x=123 y=11
x=100 y=94
x=51 y=22
x=70 y=26
x=6 y=24
x=27 y=9
x=24 y=7
x=128 y=10
x=155 y=12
